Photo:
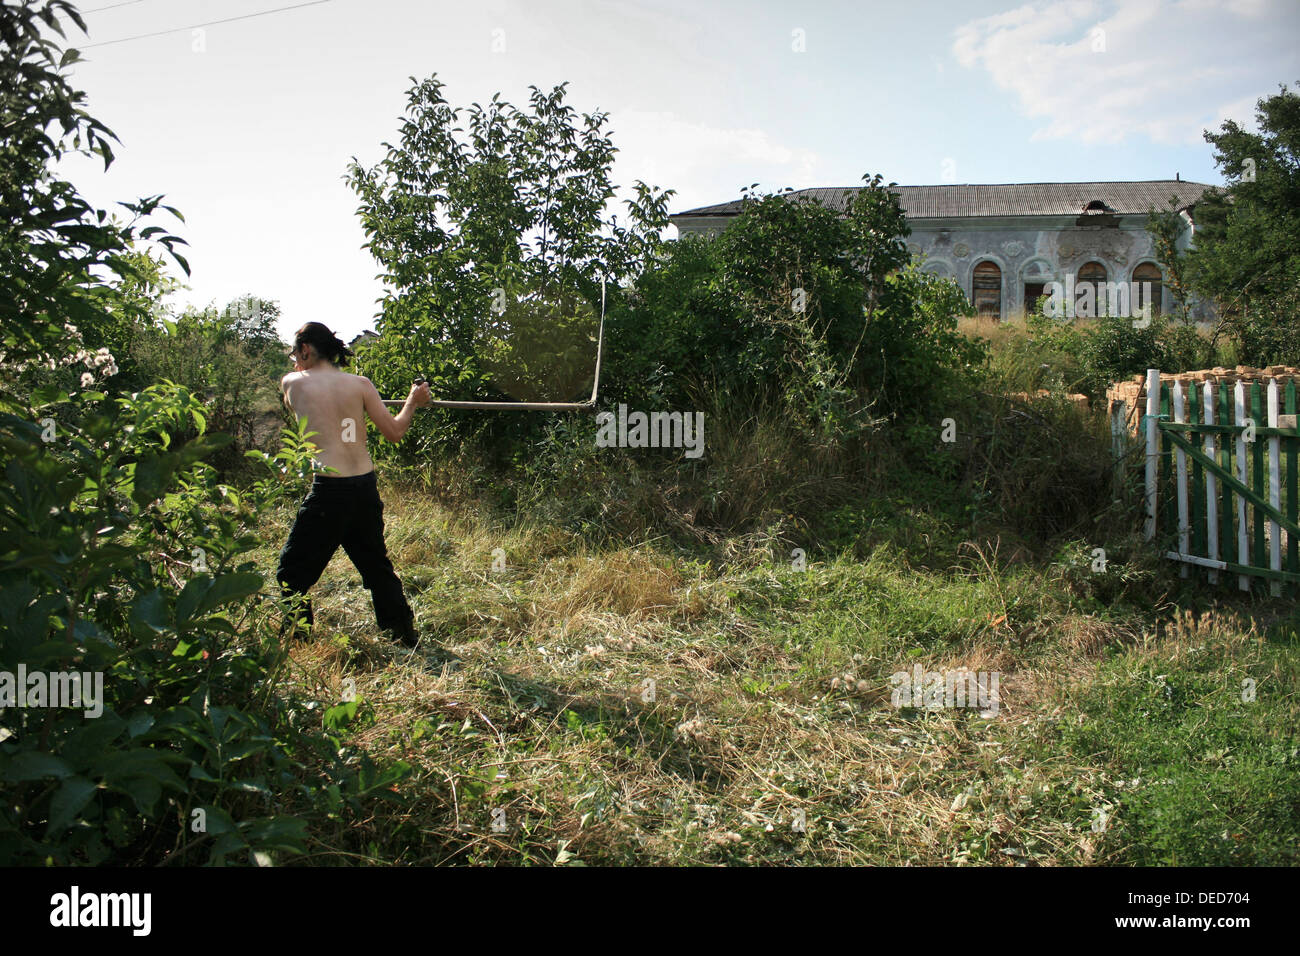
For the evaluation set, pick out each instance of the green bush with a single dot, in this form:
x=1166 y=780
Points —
x=120 y=557
x=233 y=358
x=1269 y=329
x=1114 y=349
x=913 y=357
x=1185 y=349
x=1057 y=354
x=799 y=305
x=504 y=208
x=1046 y=354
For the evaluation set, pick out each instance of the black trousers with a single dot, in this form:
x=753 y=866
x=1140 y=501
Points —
x=348 y=512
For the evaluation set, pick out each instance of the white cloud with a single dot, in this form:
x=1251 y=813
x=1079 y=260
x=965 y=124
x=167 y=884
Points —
x=1102 y=72
x=1242 y=110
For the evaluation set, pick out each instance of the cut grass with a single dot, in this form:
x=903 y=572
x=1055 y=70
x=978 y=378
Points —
x=634 y=705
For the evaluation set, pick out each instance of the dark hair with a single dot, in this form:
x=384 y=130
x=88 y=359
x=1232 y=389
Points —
x=326 y=343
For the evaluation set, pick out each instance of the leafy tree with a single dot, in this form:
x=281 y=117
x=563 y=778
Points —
x=1167 y=229
x=914 y=358
x=1115 y=348
x=678 y=303
x=254 y=322
x=536 y=349
x=476 y=209
x=59 y=257
x=1247 y=251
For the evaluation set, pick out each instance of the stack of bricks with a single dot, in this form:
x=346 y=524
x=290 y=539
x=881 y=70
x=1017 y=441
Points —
x=1132 y=392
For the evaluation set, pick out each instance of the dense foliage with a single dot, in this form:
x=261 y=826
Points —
x=800 y=305
x=61 y=261
x=122 y=558
x=233 y=358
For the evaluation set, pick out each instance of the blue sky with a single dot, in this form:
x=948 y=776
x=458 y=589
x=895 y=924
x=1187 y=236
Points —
x=247 y=127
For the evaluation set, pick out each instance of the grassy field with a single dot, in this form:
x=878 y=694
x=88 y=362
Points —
x=1130 y=729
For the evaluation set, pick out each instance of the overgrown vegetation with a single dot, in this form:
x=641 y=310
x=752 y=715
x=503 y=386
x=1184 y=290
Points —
x=1089 y=355
x=233 y=358
x=814 y=313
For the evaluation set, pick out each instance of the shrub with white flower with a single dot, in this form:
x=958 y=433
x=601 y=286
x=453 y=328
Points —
x=103 y=360
x=99 y=363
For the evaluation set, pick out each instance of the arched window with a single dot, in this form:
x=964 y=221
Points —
x=1034 y=277
x=1090 y=290
x=1147 y=287
x=987 y=290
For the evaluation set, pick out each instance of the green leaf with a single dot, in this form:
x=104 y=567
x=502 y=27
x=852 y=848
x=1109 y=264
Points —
x=203 y=446
x=219 y=822
x=230 y=587
x=71 y=798
x=369 y=779
x=152 y=473
x=138 y=723
x=227 y=843
x=144 y=791
x=31 y=765
x=340 y=715
x=149 y=615
x=286 y=833
x=48 y=395
x=250 y=786
x=190 y=598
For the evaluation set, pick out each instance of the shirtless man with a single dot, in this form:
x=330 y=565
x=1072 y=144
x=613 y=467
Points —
x=343 y=507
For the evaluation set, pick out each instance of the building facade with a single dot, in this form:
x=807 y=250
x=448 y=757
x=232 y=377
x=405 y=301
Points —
x=1005 y=245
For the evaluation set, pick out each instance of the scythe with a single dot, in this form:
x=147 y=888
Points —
x=533 y=406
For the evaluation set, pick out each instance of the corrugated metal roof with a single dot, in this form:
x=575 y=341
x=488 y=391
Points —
x=1006 y=199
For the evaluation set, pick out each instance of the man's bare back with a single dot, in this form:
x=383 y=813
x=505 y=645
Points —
x=336 y=404
x=343 y=507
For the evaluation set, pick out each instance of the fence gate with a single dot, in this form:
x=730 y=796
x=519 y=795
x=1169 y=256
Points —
x=1221 y=471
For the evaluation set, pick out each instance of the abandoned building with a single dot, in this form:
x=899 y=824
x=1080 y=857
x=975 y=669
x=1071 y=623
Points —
x=1006 y=244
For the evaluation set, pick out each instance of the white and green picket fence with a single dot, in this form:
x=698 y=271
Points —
x=1221 y=478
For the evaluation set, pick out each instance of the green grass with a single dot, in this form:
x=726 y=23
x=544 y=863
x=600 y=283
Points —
x=770 y=736
x=1199 y=735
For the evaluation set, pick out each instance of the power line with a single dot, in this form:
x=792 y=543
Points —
x=111 y=6
x=210 y=23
